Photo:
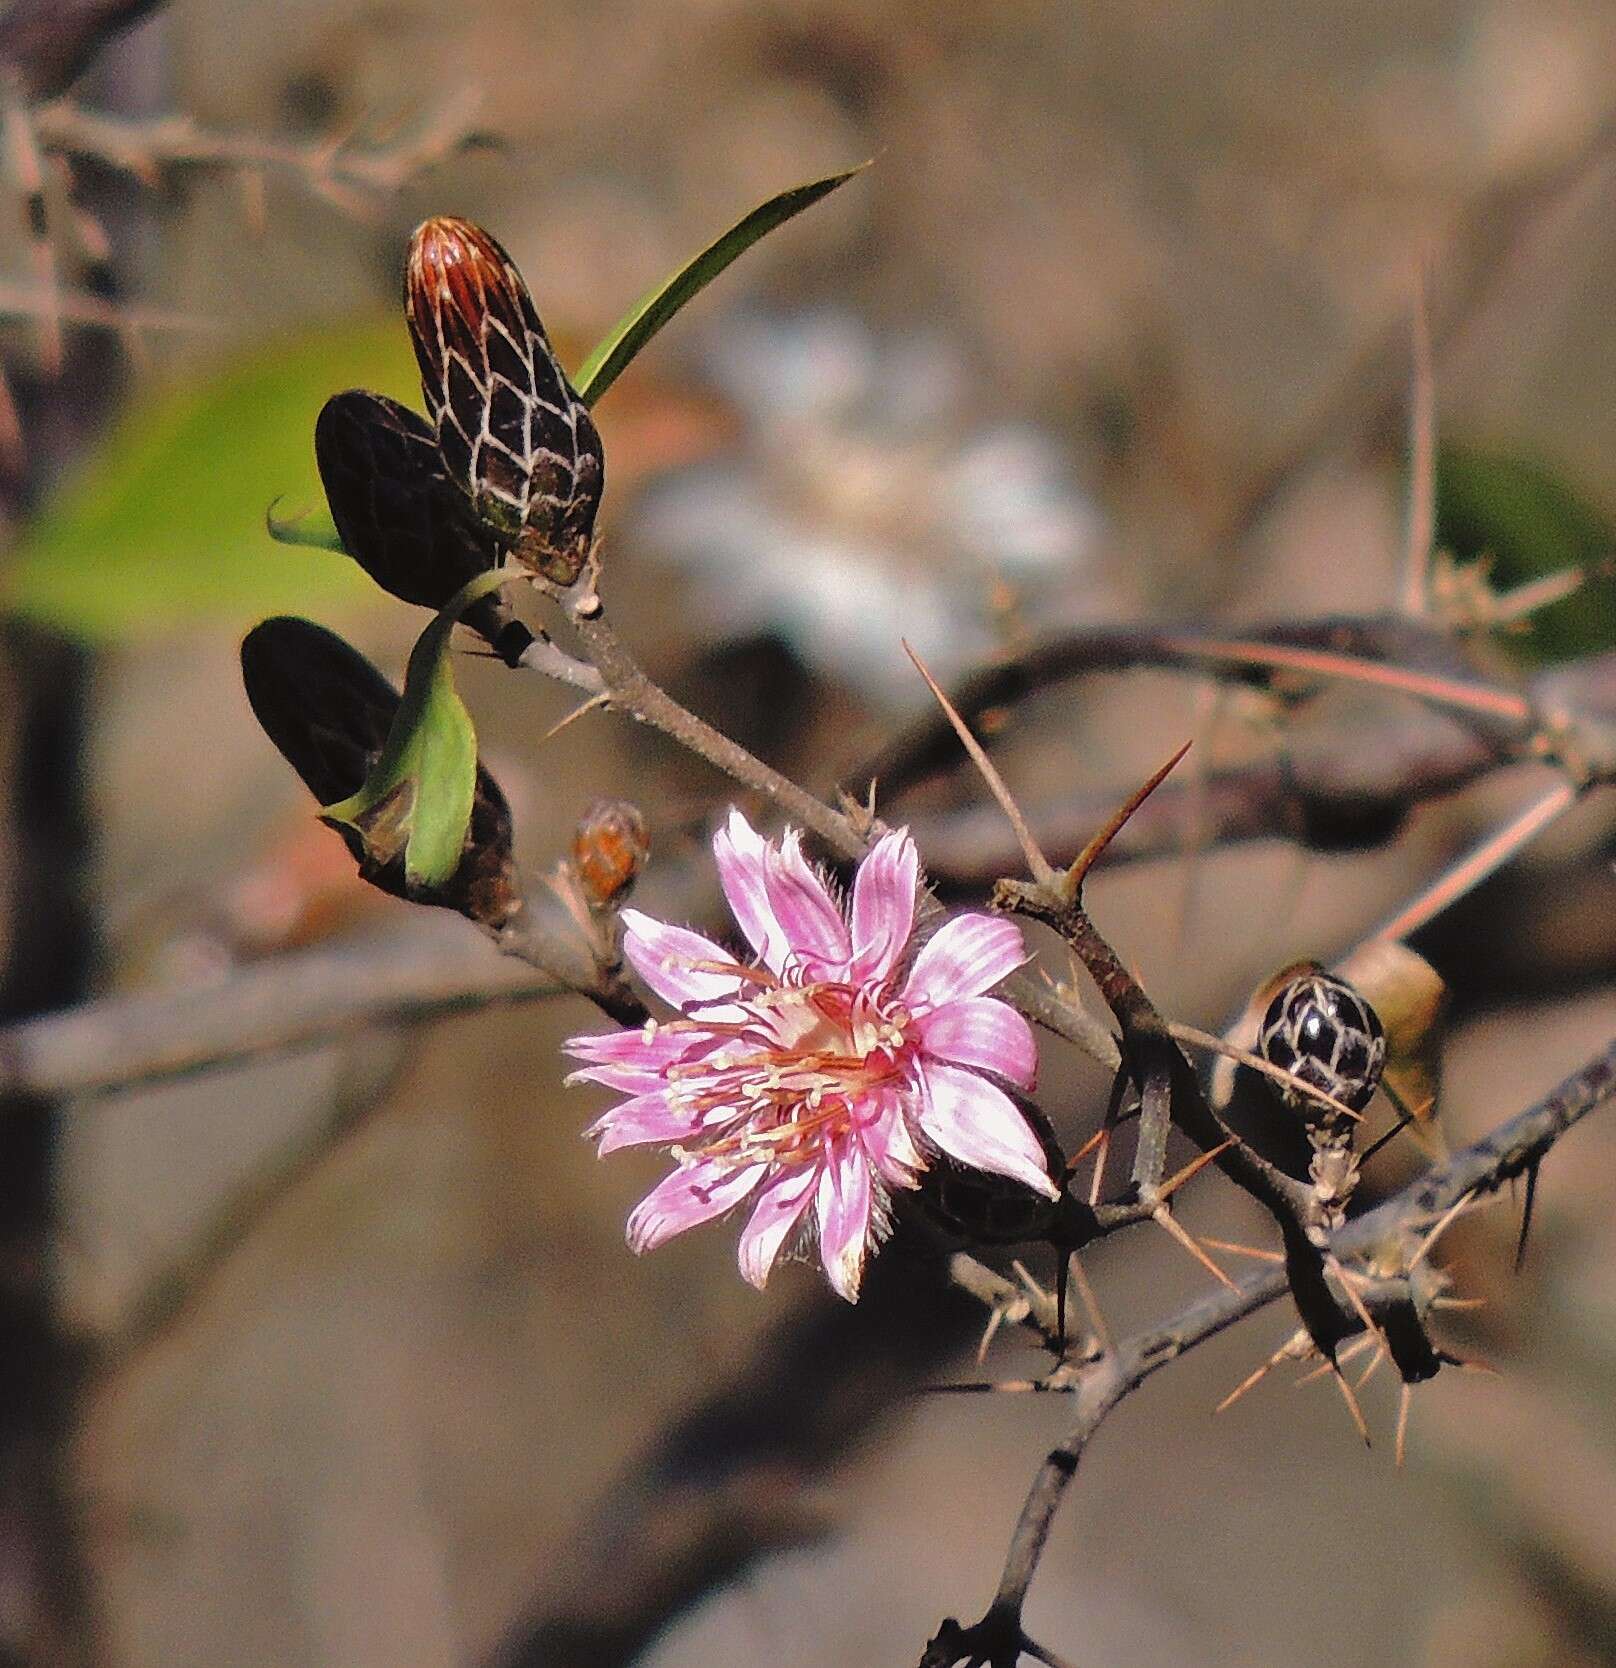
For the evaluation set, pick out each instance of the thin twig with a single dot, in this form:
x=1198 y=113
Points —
x=1421 y=531
x=1517 y=1145
x=425 y=967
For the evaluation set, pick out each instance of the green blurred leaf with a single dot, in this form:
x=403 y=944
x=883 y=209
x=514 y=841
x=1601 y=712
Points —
x=1531 y=523
x=653 y=310
x=419 y=795
x=164 y=525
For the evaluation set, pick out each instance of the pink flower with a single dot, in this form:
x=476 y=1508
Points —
x=824 y=1075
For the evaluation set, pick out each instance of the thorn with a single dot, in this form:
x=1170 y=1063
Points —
x=1526 y=1215
x=1097 y=1139
x=1380 y=1141
x=1421 y=460
x=1235 y=1249
x=1090 y=854
x=1036 y=1292
x=1039 y=1654
x=1194 y=1168
x=1490 y=854
x=1037 y=864
x=1253 y=1380
x=1100 y=1141
x=1164 y=1218
x=1091 y=1303
x=1097 y=1180
x=1349 y=1284
x=1465 y=1366
x=1451 y=1214
x=1009 y=1387
x=594 y=701
x=1373 y=1367
x=1255 y=1062
x=1350 y=1353
x=1352 y=1405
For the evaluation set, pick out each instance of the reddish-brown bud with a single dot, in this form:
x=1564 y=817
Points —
x=514 y=435
x=609 y=850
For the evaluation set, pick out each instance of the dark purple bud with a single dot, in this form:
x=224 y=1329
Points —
x=329 y=710
x=1321 y=1030
x=400 y=516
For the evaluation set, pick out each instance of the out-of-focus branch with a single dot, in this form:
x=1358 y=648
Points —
x=1339 y=783
x=331 y=167
x=1390 y=652
x=426 y=966
x=1514 y=1148
x=45 y=45
x=93 y=311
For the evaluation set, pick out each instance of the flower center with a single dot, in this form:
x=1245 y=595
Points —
x=806 y=1065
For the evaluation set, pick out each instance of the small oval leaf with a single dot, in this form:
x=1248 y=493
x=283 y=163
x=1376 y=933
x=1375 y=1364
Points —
x=421 y=790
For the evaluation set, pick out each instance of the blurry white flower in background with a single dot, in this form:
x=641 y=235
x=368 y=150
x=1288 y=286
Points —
x=868 y=502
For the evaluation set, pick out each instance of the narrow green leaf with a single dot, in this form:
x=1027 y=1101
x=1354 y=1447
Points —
x=421 y=790
x=653 y=310
x=314 y=529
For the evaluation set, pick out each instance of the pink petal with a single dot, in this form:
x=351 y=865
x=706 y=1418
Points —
x=644 y=1119
x=890 y=1147
x=653 y=1044
x=979 y=1125
x=884 y=905
x=815 y=931
x=778 y=1211
x=631 y=1061
x=626 y=1080
x=742 y=856
x=678 y=964
x=691 y=1195
x=967 y=956
x=843 y=1205
x=984 y=1032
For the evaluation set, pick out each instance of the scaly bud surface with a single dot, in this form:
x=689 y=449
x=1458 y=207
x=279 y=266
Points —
x=514 y=435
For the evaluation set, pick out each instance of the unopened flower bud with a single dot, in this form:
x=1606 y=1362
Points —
x=400 y=516
x=329 y=711
x=514 y=435
x=609 y=849
x=1321 y=1030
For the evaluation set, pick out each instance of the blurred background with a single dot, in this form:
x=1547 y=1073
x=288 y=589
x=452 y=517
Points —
x=338 y=1357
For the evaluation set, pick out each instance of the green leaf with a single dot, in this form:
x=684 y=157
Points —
x=164 y=525
x=315 y=530
x=1530 y=523
x=653 y=310
x=420 y=792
